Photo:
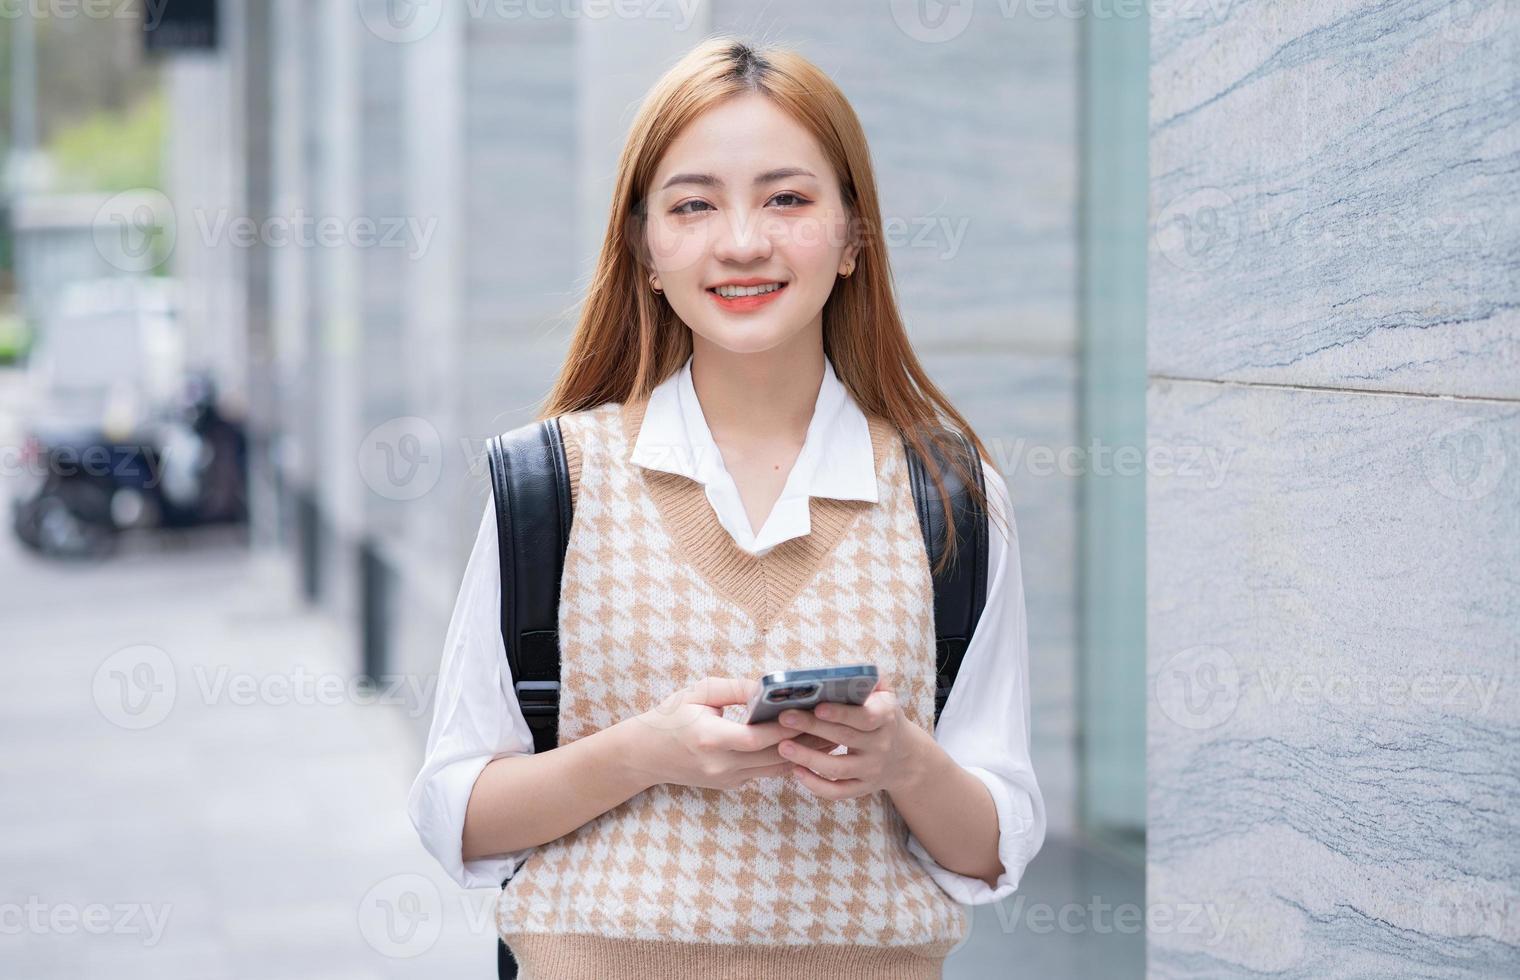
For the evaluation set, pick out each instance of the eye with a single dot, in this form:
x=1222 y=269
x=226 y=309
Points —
x=788 y=199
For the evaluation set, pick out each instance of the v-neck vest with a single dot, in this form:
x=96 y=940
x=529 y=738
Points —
x=767 y=877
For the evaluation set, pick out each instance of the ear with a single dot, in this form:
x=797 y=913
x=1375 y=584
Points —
x=851 y=257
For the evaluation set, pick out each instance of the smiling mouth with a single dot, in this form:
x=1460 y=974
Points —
x=744 y=292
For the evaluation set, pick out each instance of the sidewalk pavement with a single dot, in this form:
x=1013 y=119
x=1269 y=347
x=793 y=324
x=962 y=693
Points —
x=193 y=786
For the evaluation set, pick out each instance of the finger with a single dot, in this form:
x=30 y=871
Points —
x=738 y=737
x=720 y=691
x=865 y=717
x=829 y=789
x=763 y=759
x=779 y=769
x=676 y=712
x=824 y=764
x=815 y=742
x=808 y=721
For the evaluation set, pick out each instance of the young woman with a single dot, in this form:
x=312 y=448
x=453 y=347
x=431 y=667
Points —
x=733 y=407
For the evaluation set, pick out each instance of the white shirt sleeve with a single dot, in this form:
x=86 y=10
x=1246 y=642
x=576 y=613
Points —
x=475 y=719
x=985 y=722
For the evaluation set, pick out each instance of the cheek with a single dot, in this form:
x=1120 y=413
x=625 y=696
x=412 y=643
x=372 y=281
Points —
x=813 y=245
x=675 y=249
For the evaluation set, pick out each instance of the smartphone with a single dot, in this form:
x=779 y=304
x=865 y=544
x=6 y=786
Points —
x=850 y=684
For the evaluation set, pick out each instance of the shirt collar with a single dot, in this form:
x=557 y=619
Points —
x=836 y=460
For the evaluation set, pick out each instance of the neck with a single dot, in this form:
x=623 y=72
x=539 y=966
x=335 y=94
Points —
x=747 y=396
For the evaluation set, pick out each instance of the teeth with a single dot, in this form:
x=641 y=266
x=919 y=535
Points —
x=733 y=292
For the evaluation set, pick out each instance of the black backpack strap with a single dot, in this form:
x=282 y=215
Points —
x=960 y=590
x=531 y=484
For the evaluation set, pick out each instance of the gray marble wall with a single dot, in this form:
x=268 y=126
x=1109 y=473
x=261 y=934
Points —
x=1334 y=504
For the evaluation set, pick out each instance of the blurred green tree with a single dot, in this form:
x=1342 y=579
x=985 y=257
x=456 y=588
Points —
x=112 y=151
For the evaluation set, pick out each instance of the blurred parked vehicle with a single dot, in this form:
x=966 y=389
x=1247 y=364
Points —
x=118 y=435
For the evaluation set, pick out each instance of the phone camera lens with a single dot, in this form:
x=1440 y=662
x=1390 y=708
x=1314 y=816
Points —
x=795 y=692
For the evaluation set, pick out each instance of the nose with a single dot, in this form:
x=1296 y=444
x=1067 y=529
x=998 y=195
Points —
x=742 y=237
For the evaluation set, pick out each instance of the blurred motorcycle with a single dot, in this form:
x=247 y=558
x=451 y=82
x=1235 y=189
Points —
x=121 y=437
x=187 y=468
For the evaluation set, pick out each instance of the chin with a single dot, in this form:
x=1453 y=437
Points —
x=745 y=341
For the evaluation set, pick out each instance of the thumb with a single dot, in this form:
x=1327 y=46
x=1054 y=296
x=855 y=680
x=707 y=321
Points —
x=718 y=691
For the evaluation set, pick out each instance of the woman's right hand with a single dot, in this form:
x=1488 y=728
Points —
x=685 y=739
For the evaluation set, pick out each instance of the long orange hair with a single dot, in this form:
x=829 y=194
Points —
x=628 y=339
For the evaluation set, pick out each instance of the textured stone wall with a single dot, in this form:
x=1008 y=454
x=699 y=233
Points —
x=1334 y=587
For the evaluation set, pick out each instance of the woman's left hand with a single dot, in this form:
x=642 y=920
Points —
x=881 y=746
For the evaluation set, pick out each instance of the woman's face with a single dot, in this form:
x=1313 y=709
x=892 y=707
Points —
x=745 y=196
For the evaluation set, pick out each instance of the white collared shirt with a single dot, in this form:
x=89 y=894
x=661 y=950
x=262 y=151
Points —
x=985 y=723
x=836 y=459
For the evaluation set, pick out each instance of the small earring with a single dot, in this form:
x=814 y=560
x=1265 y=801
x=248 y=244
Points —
x=846 y=273
x=657 y=290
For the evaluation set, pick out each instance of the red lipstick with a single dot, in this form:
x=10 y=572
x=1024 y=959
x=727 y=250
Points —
x=744 y=304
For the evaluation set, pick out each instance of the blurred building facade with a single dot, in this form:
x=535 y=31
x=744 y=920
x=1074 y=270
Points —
x=460 y=158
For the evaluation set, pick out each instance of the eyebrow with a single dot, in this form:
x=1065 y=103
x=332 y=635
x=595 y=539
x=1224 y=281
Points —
x=708 y=180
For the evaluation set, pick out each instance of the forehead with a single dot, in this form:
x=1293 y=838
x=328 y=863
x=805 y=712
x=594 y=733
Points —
x=739 y=138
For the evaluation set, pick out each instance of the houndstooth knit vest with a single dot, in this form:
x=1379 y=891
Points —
x=768 y=879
